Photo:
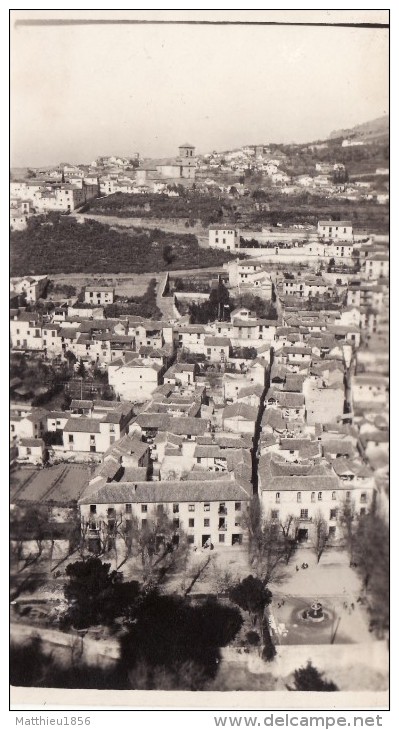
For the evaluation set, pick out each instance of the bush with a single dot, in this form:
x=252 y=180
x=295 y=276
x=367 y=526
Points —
x=309 y=679
x=252 y=638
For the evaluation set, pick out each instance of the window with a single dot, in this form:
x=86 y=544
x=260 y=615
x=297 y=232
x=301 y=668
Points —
x=275 y=514
x=206 y=522
x=332 y=531
x=313 y=497
x=333 y=495
x=362 y=511
x=298 y=496
x=363 y=497
x=191 y=522
x=304 y=514
x=221 y=538
x=277 y=496
x=128 y=509
x=93 y=448
x=175 y=508
x=144 y=523
x=93 y=509
x=333 y=514
x=144 y=508
x=320 y=496
x=191 y=507
x=237 y=506
x=198 y=459
x=176 y=523
x=70 y=438
x=348 y=495
x=207 y=506
x=190 y=539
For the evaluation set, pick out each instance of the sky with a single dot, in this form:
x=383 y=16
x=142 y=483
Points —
x=78 y=92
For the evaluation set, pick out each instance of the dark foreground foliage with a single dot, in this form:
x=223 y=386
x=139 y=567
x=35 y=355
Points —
x=55 y=246
x=166 y=642
x=309 y=679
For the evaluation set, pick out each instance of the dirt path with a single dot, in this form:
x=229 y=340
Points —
x=125 y=284
x=163 y=225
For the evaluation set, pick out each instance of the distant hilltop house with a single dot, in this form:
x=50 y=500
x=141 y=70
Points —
x=352 y=142
x=330 y=230
x=112 y=160
x=99 y=295
x=32 y=286
x=183 y=166
x=226 y=238
x=44 y=196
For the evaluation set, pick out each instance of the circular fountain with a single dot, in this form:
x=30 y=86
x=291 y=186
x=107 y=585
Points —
x=315 y=612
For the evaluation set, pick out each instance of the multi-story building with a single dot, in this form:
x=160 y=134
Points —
x=226 y=238
x=331 y=230
x=205 y=513
x=98 y=295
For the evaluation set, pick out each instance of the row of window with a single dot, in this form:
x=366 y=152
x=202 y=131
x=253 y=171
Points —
x=176 y=508
x=363 y=496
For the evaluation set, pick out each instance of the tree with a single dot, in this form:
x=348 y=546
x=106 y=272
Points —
x=371 y=558
x=252 y=596
x=347 y=519
x=30 y=524
x=219 y=299
x=309 y=679
x=266 y=542
x=168 y=632
x=290 y=542
x=96 y=595
x=167 y=254
x=81 y=371
x=320 y=535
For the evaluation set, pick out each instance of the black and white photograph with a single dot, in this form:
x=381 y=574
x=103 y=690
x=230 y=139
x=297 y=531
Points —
x=199 y=356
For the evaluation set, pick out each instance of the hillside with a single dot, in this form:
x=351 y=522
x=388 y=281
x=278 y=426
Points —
x=61 y=245
x=373 y=131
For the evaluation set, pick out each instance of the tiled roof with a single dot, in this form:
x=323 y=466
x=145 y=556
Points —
x=188 y=426
x=209 y=451
x=217 y=341
x=167 y=492
x=32 y=442
x=82 y=425
x=286 y=399
x=240 y=410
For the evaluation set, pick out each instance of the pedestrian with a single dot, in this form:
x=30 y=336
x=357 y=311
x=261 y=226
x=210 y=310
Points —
x=296 y=568
x=352 y=606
